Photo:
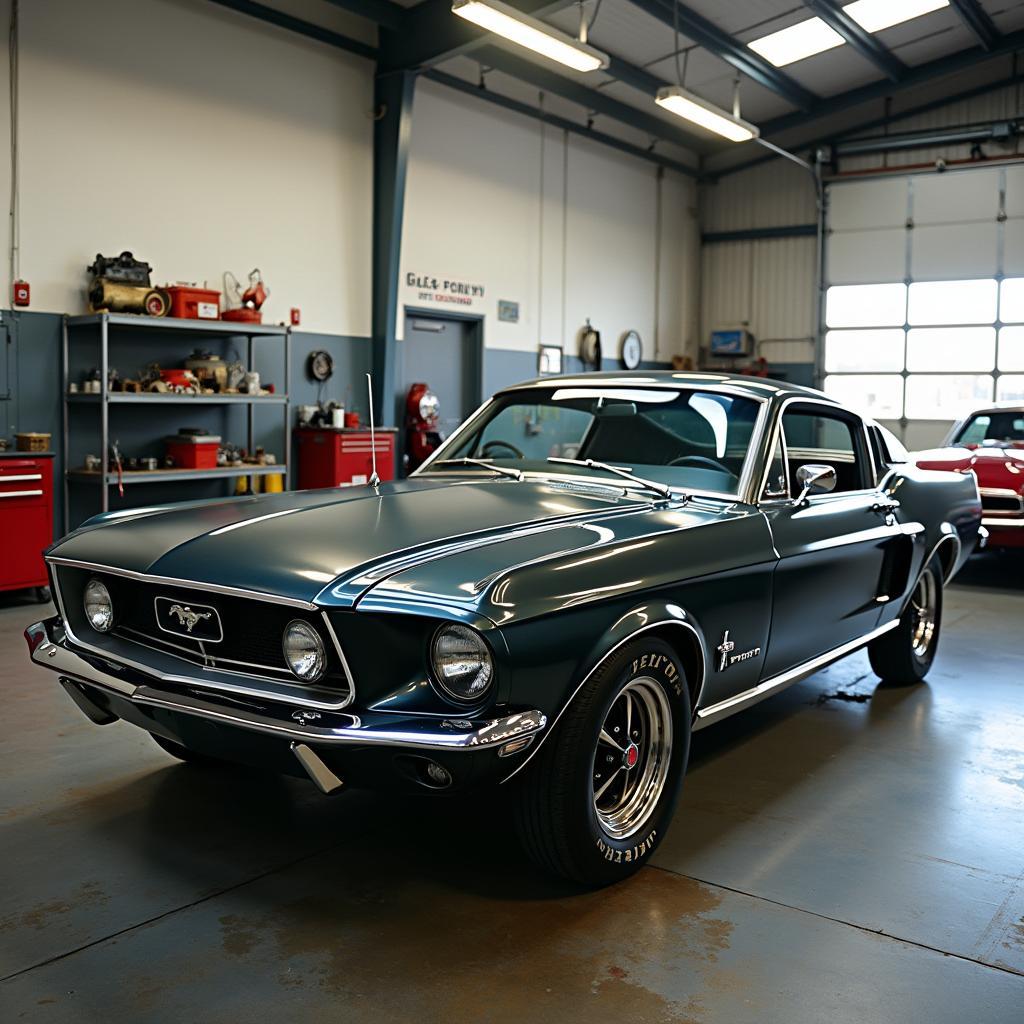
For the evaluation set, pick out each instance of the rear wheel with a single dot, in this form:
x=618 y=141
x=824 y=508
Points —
x=904 y=655
x=600 y=794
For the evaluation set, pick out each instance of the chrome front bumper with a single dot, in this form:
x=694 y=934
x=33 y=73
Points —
x=79 y=671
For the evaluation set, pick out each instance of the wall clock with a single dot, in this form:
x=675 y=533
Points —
x=321 y=365
x=631 y=350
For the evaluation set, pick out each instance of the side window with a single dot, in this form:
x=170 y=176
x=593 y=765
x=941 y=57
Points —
x=777 y=484
x=885 y=448
x=828 y=439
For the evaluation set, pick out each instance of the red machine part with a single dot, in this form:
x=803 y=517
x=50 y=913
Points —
x=26 y=520
x=421 y=434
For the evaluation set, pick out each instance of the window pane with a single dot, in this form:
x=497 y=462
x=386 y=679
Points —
x=847 y=351
x=1011 y=348
x=1011 y=301
x=879 y=396
x=812 y=438
x=951 y=348
x=866 y=305
x=1010 y=388
x=947 y=397
x=952 y=302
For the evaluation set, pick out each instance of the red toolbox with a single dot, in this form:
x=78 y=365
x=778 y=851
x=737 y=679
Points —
x=193 y=303
x=336 y=456
x=193 y=451
x=26 y=518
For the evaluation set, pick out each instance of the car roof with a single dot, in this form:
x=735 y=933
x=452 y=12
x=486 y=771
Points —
x=755 y=387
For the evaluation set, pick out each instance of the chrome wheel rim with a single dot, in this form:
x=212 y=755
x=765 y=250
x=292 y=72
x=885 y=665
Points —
x=631 y=762
x=922 y=609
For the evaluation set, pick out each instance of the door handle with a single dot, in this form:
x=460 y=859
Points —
x=886 y=508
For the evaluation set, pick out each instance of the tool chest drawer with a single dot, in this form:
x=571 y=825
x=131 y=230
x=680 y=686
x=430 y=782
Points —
x=26 y=519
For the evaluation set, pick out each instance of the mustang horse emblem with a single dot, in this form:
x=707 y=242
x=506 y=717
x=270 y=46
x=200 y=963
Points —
x=187 y=617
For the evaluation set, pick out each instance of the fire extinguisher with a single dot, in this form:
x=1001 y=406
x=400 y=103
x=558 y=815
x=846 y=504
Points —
x=421 y=434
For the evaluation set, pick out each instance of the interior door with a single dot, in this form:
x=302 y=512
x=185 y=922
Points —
x=442 y=353
x=831 y=547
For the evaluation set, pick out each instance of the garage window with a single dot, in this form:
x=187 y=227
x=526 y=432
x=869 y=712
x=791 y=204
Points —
x=926 y=351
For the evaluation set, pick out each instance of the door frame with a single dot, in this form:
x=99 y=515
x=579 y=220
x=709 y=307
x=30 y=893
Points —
x=475 y=325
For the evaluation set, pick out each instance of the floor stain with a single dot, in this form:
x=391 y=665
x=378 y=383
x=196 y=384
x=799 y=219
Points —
x=88 y=895
x=581 y=955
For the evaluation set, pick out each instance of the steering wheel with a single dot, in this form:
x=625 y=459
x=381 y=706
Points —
x=486 y=449
x=702 y=461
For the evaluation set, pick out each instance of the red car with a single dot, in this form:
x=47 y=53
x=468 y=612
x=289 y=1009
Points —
x=989 y=442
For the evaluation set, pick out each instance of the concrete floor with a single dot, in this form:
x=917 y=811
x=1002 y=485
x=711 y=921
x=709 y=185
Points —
x=842 y=852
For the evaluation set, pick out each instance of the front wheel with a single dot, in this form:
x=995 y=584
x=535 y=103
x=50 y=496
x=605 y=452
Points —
x=600 y=793
x=904 y=655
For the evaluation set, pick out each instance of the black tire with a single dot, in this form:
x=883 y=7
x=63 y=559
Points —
x=903 y=656
x=557 y=815
x=184 y=753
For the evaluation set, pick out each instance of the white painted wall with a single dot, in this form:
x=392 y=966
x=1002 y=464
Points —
x=201 y=139
x=567 y=228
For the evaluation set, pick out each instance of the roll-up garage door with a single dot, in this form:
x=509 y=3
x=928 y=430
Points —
x=924 y=301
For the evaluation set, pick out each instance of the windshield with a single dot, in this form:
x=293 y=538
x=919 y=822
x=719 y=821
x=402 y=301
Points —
x=689 y=439
x=993 y=429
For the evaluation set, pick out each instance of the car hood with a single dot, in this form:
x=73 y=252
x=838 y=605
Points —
x=330 y=547
x=994 y=467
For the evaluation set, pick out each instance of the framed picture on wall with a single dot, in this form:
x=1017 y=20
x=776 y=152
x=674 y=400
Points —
x=549 y=359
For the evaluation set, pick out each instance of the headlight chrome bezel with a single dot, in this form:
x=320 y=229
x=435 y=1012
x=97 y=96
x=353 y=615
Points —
x=315 y=646
x=93 y=586
x=445 y=684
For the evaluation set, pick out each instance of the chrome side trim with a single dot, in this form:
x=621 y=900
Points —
x=601 y=661
x=212 y=588
x=999 y=524
x=729 y=706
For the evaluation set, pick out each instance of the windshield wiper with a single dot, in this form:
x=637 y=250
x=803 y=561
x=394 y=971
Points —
x=627 y=474
x=516 y=474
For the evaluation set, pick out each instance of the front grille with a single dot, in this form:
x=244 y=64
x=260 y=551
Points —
x=1007 y=504
x=252 y=630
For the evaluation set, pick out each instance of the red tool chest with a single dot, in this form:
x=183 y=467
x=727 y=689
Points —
x=26 y=518
x=334 y=456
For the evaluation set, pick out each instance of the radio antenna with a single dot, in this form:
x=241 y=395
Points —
x=374 y=478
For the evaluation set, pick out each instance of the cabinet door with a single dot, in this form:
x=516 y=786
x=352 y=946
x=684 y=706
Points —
x=26 y=522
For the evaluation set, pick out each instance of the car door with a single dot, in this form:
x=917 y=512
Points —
x=832 y=546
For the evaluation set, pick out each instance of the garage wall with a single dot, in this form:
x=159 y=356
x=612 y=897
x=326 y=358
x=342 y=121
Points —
x=566 y=228
x=769 y=283
x=765 y=285
x=203 y=141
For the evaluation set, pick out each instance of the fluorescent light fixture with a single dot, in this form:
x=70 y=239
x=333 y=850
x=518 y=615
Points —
x=686 y=105
x=812 y=36
x=804 y=39
x=531 y=33
x=874 y=15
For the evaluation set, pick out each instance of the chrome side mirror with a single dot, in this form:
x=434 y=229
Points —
x=815 y=479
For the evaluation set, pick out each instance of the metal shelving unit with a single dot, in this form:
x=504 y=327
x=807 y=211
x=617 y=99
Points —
x=160 y=328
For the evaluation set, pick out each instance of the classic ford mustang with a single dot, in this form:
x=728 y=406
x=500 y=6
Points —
x=585 y=572
x=990 y=444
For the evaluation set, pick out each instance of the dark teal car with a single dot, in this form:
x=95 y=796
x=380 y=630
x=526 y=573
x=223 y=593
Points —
x=588 y=570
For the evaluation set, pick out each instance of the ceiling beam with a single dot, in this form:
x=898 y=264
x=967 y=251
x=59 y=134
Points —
x=974 y=17
x=866 y=126
x=297 y=25
x=562 y=123
x=381 y=12
x=917 y=75
x=717 y=41
x=430 y=33
x=866 y=44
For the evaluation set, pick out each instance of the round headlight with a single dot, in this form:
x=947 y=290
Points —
x=462 y=662
x=304 y=651
x=99 y=609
